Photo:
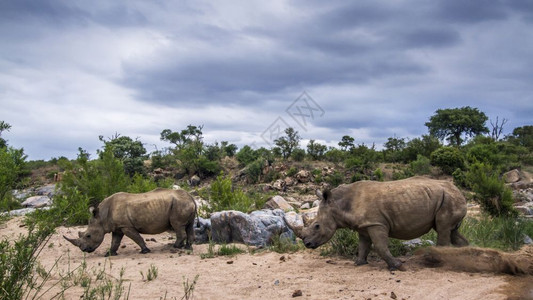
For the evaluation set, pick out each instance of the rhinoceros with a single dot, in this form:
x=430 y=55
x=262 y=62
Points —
x=403 y=209
x=131 y=214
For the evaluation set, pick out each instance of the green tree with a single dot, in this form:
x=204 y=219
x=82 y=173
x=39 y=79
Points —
x=522 y=136
x=12 y=163
x=316 y=150
x=132 y=153
x=448 y=159
x=424 y=146
x=394 y=149
x=453 y=123
x=288 y=143
x=246 y=155
x=3 y=127
x=346 y=143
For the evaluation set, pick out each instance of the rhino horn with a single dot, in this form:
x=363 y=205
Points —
x=74 y=242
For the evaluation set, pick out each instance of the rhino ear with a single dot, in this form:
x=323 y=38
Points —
x=93 y=211
x=319 y=194
x=326 y=196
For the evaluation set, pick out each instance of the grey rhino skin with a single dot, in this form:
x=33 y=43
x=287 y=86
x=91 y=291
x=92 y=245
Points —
x=131 y=214
x=403 y=209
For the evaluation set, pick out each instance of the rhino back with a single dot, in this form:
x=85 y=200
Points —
x=407 y=207
x=147 y=212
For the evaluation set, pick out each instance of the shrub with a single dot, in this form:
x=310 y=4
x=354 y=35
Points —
x=343 y=243
x=501 y=233
x=246 y=155
x=140 y=184
x=292 y=171
x=298 y=154
x=495 y=198
x=254 y=170
x=421 y=166
x=335 y=179
x=448 y=159
x=459 y=178
x=222 y=197
x=378 y=175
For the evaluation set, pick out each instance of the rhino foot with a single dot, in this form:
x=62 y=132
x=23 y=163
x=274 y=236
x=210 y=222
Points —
x=361 y=262
x=145 y=250
x=111 y=253
x=399 y=267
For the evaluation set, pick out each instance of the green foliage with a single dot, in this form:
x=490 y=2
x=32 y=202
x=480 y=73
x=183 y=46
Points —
x=522 y=136
x=246 y=155
x=12 y=165
x=347 y=143
x=151 y=273
x=131 y=153
x=292 y=171
x=378 y=175
x=448 y=159
x=495 y=198
x=421 y=166
x=229 y=250
x=459 y=178
x=287 y=144
x=316 y=150
x=70 y=205
x=394 y=149
x=501 y=233
x=223 y=197
x=424 y=146
x=501 y=155
x=140 y=184
x=298 y=154
x=335 y=155
x=3 y=127
x=453 y=123
x=343 y=243
x=96 y=179
x=285 y=245
x=334 y=179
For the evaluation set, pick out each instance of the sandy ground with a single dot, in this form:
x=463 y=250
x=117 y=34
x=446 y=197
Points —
x=263 y=275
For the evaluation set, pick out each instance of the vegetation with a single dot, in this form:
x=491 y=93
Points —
x=453 y=123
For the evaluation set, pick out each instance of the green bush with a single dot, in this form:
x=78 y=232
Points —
x=494 y=197
x=501 y=233
x=140 y=184
x=298 y=154
x=335 y=179
x=254 y=170
x=343 y=243
x=12 y=166
x=459 y=178
x=246 y=155
x=292 y=171
x=378 y=175
x=448 y=159
x=223 y=197
x=421 y=166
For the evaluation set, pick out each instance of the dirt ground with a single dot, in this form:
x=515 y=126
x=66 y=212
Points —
x=263 y=275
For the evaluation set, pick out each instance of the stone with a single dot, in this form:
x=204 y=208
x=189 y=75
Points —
x=512 y=176
x=524 y=210
x=305 y=206
x=279 y=185
x=416 y=243
x=278 y=202
x=194 y=181
x=527 y=240
x=202 y=230
x=316 y=203
x=294 y=221
x=309 y=216
x=37 y=202
x=303 y=176
x=289 y=181
x=176 y=187
x=46 y=190
x=256 y=229
x=20 y=195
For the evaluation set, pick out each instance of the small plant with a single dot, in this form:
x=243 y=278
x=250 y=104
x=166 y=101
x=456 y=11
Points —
x=378 y=175
x=210 y=251
x=285 y=245
x=188 y=288
x=224 y=197
x=448 y=159
x=421 y=166
x=344 y=243
x=151 y=274
x=335 y=179
x=232 y=250
x=292 y=171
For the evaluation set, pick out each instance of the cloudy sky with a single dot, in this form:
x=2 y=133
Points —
x=73 y=70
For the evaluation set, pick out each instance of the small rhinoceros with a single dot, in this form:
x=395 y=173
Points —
x=403 y=209
x=131 y=214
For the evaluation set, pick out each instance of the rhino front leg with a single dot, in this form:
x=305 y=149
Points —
x=137 y=238
x=364 y=248
x=380 y=237
x=116 y=238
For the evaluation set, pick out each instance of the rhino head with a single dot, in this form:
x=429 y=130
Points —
x=323 y=227
x=89 y=240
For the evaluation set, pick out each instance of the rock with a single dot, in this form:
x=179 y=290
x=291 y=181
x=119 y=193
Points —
x=297 y=293
x=527 y=240
x=47 y=190
x=512 y=176
x=303 y=176
x=256 y=229
x=279 y=185
x=176 y=187
x=202 y=230
x=309 y=216
x=20 y=195
x=289 y=181
x=316 y=203
x=278 y=202
x=416 y=243
x=305 y=206
x=22 y=211
x=524 y=210
x=194 y=181
x=294 y=221
x=37 y=202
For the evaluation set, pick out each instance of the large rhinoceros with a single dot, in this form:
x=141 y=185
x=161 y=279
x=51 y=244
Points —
x=403 y=209
x=131 y=214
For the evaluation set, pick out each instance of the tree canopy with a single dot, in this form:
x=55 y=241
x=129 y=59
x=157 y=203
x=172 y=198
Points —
x=452 y=123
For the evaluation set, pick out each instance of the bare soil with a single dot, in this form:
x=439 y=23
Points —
x=264 y=275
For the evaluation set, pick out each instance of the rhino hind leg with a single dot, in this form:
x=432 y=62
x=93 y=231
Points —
x=364 y=249
x=190 y=235
x=137 y=238
x=181 y=236
x=458 y=239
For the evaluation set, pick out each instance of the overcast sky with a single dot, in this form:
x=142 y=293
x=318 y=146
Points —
x=73 y=70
